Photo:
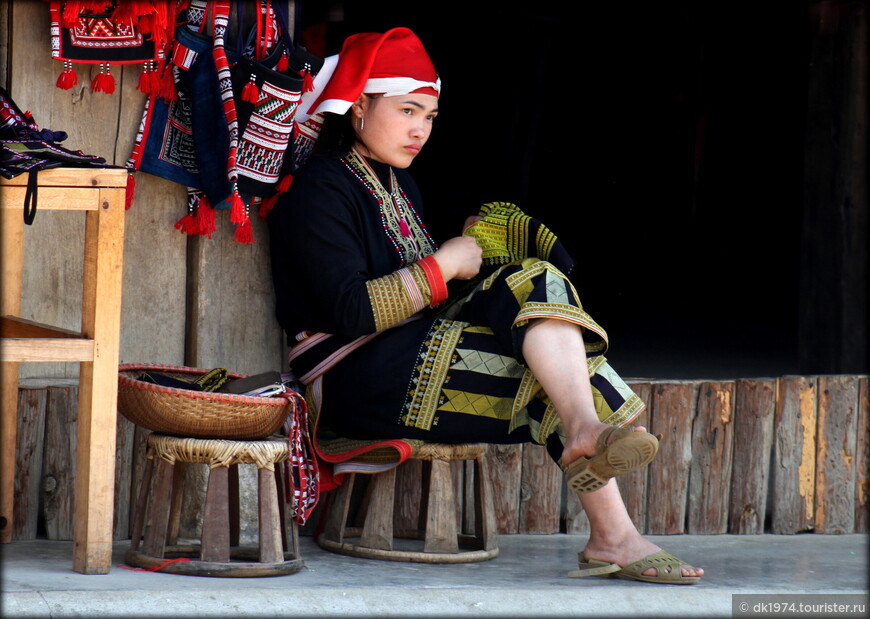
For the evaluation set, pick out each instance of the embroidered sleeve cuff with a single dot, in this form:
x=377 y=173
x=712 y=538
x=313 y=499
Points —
x=396 y=296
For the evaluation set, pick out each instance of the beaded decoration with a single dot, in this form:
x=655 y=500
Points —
x=401 y=223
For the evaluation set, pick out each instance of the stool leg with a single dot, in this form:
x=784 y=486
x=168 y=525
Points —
x=378 y=527
x=336 y=517
x=282 y=502
x=485 y=528
x=142 y=504
x=271 y=548
x=441 y=528
x=175 y=504
x=216 y=517
x=155 y=534
x=234 y=514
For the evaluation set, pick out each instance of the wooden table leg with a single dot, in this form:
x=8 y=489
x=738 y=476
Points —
x=98 y=388
x=10 y=305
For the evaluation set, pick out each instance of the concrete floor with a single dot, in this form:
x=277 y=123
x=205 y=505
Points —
x=527 y=579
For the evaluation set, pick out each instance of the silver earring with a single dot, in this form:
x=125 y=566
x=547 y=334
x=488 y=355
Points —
x=362 y=123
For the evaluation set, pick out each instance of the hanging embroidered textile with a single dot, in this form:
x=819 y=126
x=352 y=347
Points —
x=25 y=148
x=226 y=132
x=111 y=33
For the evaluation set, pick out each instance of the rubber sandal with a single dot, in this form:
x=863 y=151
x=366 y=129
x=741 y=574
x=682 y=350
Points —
x=628 y=450
x=667 y=568
x=593 y=567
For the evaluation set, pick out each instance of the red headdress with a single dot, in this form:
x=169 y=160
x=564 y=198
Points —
x=389 y=64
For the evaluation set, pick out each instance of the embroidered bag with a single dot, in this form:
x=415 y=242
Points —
x=110 y=33
x=268 y=79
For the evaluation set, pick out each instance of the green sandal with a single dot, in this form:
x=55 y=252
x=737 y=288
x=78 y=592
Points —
x=593 y=567
x=628 y=450
x=667 y=568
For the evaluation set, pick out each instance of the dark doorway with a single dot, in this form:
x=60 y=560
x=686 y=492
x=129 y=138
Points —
x=663 y=143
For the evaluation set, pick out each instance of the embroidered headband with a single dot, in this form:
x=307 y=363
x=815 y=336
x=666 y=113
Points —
x=390 y=64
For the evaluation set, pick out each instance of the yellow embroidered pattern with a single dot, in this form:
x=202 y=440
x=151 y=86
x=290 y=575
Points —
x=393 y=296
x=436 y=357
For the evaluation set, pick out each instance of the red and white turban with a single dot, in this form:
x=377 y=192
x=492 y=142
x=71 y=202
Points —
x=389 y=64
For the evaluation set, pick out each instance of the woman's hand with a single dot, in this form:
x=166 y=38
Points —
x=459 y=258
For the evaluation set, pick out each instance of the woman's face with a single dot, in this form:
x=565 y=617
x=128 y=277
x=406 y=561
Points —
x=394 y=129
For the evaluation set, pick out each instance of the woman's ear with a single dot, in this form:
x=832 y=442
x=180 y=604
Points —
x=359 y=106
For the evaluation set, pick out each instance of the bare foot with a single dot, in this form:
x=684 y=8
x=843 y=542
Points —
x=583 y=445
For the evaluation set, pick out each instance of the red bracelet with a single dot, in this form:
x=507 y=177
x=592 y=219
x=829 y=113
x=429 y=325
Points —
x=437 y=285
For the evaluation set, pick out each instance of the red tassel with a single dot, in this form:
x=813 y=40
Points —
x=154 y=83
x=145 y=81
x=131 y=189
x=187 y=224
x=146 y=24
x=308 y=82
x=244 y=232
x=167 y=89
x=283 y=64
x=284 y=184
x=267 y=205
x=238 y=211
x=250 y=92
x=103 y=81
x=68 y=78
x=206 y=217
x=69 y=16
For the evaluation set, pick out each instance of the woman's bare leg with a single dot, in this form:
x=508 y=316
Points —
x=555 y=353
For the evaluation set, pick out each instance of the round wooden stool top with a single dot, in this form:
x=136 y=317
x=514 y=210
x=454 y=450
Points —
x=264 y=453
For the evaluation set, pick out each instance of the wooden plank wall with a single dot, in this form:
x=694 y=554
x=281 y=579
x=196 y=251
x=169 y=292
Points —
x=750 y=456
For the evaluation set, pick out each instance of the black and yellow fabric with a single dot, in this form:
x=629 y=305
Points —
x=505 y=234
x=378 y=386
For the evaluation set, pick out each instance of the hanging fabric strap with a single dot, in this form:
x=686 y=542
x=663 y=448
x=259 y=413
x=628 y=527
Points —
x=30 y=197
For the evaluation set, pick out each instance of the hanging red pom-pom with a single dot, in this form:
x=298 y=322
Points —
x=166 y=88
x=187 y=224
x=206 y=218
x=283 y=64
x=244 y=232
x=154 y=83
x=71 y=9
x=103 y=81
x=145 y=81
x=250 y=92
x=68 y=77
x=307 y=82
x=238 y=210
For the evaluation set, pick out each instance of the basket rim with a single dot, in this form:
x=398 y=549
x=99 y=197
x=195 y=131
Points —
x=215 y=396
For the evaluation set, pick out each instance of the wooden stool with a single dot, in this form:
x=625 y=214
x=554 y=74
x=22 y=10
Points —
x=442 y=542
x=219 y=552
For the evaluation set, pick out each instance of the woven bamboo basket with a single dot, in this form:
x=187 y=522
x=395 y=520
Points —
x=197 y=414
